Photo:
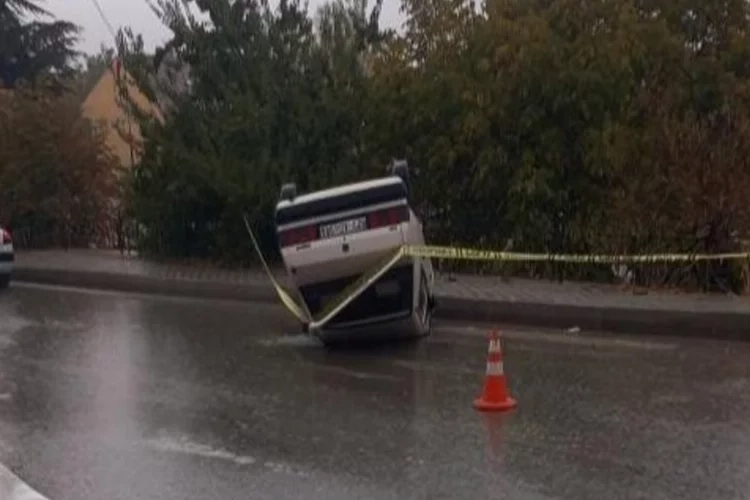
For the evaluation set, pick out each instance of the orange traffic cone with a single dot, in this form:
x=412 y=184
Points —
x=495 y=395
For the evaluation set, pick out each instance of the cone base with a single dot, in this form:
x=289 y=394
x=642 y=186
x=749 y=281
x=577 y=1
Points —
x=505 y=405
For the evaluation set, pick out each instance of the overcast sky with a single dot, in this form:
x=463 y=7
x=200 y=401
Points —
x=138 y=15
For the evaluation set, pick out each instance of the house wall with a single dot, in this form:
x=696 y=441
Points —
x=102 y=105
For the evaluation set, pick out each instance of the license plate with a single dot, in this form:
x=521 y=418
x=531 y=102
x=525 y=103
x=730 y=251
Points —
x=342 y=228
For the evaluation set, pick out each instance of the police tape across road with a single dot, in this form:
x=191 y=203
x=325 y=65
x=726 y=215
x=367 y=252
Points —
x=348 y=295
x=334 y=306
x=452 y=253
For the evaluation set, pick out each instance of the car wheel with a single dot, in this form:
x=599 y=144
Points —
x=4 y=281
x=426 y=301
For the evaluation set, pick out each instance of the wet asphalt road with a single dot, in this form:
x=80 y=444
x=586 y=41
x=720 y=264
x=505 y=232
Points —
x=108 y=396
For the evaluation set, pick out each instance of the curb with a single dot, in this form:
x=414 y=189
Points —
x=710 y=325
x=714 y=325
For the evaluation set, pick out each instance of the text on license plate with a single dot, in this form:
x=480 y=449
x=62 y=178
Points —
x=344 y=227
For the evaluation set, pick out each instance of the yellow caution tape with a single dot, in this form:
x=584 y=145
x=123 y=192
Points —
x=350 y=293
x=334 y=306
x=299 y=312
x=452 y=253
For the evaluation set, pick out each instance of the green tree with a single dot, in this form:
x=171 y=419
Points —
x=272 y=99
x=33 y=48
x=566 y=126
x=57 y=177
x=533 y=119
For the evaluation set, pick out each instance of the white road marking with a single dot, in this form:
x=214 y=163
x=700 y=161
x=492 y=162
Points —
x=298 y=340
x=425 y=365
x=185 y=446
x=12 y=488
x=12 y=323
x=340 y=370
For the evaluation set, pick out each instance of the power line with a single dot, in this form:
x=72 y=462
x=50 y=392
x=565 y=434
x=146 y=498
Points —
x=104 y=18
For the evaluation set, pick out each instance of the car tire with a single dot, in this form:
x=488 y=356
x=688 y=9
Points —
x=4 y=281
x=427 y=326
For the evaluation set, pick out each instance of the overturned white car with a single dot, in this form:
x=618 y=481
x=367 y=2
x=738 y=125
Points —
x=340 y=247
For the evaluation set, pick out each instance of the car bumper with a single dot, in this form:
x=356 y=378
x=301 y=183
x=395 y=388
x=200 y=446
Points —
x=394 y=326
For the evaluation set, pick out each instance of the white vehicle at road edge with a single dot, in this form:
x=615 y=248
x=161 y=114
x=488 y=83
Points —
x=331 y=238
x=7 y=257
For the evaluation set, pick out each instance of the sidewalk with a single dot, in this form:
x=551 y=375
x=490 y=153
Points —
x=465 y=297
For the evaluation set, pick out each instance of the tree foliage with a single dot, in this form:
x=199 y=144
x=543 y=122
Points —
x=57 y=178
x=31 y=44
x=609 y=126
x=275 y=96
